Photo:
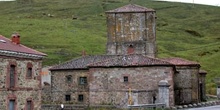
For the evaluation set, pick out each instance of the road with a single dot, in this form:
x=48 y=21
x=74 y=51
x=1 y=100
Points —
x=217 y=107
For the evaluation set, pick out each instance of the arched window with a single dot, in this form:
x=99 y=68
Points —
x=12 y=76
x=29 y=73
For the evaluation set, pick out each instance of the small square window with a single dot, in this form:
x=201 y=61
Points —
x=125 y=79
x=82 y=80
x=29 y=72
x=68 y=78
x=67 y=97
x=80 y=98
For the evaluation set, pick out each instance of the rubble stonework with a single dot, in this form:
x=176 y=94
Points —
x=61 y=87
x=20 y=81
x=107 y=85
x=25 y=88
x=131 y=26
x=186 y=85
x=129 y=74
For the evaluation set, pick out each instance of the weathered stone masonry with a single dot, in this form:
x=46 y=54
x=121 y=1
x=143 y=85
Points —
x=129 y=73
x=107 y=85
x=20 y=68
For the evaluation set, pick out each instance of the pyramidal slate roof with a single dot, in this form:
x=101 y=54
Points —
x=130 y=8
x=181 y=62
x=109 y=61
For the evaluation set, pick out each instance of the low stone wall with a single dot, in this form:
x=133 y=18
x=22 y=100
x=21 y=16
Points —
x=196 y=105
x=77 y=107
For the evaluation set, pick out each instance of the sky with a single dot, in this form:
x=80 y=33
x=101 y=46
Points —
x=205 y=2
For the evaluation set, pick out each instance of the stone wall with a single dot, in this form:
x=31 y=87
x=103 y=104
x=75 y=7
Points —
x=61 y=86
x=25 y=88
x=107 y=85
x=46 y=94
x=202 y=86
x=186 y=85
x=136 y=30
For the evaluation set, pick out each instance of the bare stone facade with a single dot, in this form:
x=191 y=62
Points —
x=186 y=85
x=108 y=86
x=131 y=29
x=129 y=73
x=67 y=83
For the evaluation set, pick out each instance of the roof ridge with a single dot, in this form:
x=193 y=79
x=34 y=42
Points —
x=130 y=8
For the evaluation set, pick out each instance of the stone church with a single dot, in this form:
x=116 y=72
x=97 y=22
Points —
x=20 y=80
x=130 y=73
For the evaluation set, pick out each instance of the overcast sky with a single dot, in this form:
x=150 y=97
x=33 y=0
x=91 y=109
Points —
x=206 y=2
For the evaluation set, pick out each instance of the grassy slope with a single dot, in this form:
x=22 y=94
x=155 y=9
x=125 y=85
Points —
x=63 y=38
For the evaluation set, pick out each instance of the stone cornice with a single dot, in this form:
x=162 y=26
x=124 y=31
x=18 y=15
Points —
x=20 y=54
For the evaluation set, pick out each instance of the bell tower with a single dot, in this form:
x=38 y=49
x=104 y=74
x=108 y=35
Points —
x=131 y=30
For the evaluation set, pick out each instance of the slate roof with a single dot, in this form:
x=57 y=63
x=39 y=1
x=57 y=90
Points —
x=109 y=61
x=181 y=62
x=7 y=45
x=81 y=63
x=129 y=60
x=130 y=8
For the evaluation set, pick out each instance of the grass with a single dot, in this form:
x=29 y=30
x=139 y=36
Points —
x=183 y=30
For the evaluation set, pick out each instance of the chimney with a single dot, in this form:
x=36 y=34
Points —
x=15 y=38
x=83 y=53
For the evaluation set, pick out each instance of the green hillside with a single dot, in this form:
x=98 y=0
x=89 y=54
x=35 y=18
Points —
x=63 y=28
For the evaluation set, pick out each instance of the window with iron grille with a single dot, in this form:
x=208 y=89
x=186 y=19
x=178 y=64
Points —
x=82 y=80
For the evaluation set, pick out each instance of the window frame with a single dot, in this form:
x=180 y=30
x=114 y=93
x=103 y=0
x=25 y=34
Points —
x=69 y=96
x=31 y=104
x=80 y=98
x=29 y=71
x=12 y=76
x=83 y=80
x=11 y=97
x=69 y=78
x=14 y=105
x=125 y=79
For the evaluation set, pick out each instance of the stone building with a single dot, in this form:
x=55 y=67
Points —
x=129 y=73
x=20 y=82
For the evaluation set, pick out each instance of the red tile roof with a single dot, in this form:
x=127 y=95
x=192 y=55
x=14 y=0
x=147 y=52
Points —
x=130 y=8
x=7 y=45
x=181 y=62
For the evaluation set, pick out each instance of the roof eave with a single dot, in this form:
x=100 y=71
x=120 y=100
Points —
x=127 y=66
x=66 y=69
